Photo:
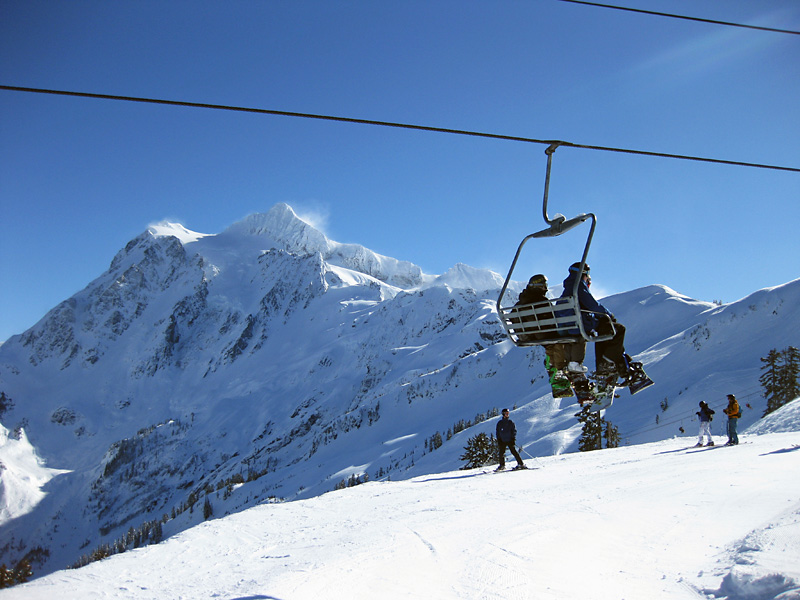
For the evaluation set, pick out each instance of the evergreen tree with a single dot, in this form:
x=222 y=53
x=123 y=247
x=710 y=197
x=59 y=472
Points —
x=592 y=432
x=7 y=578
x=208 y=510
x=791 y=373
x=481 y=450
x=23 y=572
x=770 y=381
x=611 y=435
x=780 y=378
x=6 y=403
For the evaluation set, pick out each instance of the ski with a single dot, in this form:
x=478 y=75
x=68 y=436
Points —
x=703 y=448
x=693 y=449
x=523 y=468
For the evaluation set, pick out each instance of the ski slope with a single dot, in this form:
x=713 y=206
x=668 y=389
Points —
x=658 y=520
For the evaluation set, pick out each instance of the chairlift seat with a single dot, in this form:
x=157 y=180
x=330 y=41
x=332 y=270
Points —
x=542 y=323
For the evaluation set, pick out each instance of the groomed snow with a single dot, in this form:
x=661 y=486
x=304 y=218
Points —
x=652 y=521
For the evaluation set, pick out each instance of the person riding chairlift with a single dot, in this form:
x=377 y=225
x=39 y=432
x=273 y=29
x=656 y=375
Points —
x=610 y=356
x=567 y=356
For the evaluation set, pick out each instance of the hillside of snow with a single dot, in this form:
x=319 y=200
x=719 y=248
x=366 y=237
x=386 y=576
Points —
x=659 y=520
x=268 y=363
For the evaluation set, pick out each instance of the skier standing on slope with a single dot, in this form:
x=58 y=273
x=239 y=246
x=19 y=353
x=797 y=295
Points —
x=734 y=412
x=507 y=438
x=705 y=415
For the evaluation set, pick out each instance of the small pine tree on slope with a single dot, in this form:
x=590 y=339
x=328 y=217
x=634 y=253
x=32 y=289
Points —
x=592 y=432
x=481 y=450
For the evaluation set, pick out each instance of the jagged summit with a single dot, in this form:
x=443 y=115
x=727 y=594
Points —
x=166 y=229
x=281 y=228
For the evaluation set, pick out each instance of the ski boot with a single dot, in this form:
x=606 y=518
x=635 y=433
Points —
x=637 y=379
x=559 y=382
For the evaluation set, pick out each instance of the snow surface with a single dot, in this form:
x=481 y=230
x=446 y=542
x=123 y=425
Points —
x=24 y=474
x=659 y=520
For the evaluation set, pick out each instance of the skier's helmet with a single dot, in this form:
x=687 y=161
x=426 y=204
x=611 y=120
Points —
x=538 y=282
x=574 y=267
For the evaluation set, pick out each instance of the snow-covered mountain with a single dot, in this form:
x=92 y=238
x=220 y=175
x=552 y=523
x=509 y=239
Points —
x=272 y=361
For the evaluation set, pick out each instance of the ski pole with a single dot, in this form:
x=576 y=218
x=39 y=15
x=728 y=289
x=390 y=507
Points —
x=533 y=457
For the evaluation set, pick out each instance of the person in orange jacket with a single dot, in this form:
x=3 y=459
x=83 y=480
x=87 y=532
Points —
x=734 y=412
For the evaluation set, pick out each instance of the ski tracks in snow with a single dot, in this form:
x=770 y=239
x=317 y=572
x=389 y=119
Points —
x=500 y=573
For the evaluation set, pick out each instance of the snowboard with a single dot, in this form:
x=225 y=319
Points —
x=597 y=393
x=639 y=379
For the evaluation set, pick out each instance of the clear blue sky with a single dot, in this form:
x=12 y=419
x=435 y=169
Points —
x=80 y=177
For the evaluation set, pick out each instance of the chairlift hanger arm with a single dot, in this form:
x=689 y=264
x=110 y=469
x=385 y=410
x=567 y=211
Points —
x=559 y=223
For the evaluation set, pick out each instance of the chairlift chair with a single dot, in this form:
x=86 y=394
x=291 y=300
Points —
x=557 y=321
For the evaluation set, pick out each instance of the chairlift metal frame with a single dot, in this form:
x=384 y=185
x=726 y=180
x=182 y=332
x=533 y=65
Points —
x=557 y=321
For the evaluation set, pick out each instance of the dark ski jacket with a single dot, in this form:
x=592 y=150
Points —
x=533 y=296
x=590 y=307
x=506 y=430
x=705 y=413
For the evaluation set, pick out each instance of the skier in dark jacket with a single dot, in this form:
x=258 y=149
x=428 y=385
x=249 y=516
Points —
x=705 y=414
x=507 y=438
x=610 y=355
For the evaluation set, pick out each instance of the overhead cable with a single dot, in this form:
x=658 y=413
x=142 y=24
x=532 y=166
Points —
x=687 y=18
x=496 y=136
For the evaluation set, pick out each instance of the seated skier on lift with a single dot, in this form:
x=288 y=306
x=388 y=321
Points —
x=610 y=357
x=559 y=357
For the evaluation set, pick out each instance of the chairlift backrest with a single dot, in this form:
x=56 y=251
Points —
x=542 y=323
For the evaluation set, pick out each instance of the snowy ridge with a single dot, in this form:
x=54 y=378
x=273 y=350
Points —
x=269 y=362
x=463 y=276
x=167 y=229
